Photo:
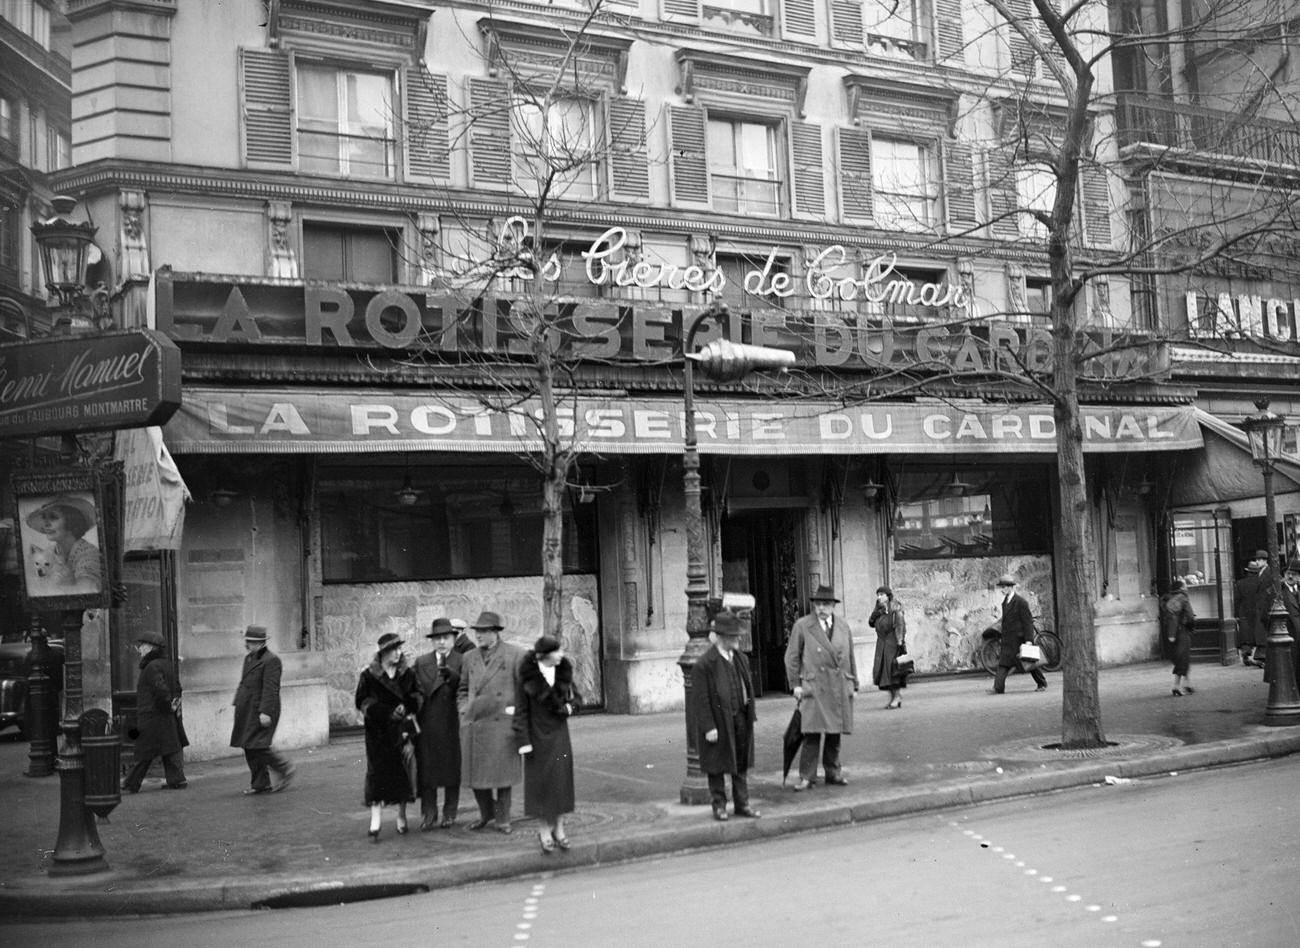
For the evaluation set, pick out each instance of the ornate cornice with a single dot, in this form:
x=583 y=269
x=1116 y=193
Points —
x=728 y=74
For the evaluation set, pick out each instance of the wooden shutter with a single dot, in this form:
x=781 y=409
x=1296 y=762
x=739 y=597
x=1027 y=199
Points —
x=1023 y=59
x=629 y=162
x=681 y=10
x=426 y=140
x=1050 y=42
x=689 y=160
x=798 y=18
x=948 y=29
x=807 y=172
x=1002 y=193
x=1096 y=207
x=959 y=186
x=846 y=23
x=489 y=132
x=266 y=101
x=854 y=152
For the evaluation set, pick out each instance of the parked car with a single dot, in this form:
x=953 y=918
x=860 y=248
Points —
x=13 y=682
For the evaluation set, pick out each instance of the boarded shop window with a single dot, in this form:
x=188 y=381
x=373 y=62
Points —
x=349 y=254
x=390 y=524
x=948 y=511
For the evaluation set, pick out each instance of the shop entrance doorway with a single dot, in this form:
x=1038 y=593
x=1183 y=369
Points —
x=761 y=555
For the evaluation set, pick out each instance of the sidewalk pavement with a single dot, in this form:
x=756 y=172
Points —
x=952 y=744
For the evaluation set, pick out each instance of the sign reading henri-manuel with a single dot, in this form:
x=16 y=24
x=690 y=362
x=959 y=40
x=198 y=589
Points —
x=93 y=382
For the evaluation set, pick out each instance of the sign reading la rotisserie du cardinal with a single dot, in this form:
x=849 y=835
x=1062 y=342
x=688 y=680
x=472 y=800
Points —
x=90 y=382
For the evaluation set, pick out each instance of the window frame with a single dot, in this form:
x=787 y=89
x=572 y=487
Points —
x=396 y=234
x=775 y=129
x=595 y=123
x=928 y=151
x=339 y=68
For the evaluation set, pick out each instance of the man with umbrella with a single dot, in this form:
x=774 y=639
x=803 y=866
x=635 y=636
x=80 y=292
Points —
x=823 y=674
x=722 y=699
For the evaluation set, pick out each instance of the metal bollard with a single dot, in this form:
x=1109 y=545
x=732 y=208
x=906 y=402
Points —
x=42 y=714
x=103 y=756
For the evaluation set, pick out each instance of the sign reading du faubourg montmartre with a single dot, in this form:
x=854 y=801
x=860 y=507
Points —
x=461 y=317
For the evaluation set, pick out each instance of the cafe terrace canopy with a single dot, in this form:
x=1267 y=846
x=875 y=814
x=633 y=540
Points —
x=299 y=420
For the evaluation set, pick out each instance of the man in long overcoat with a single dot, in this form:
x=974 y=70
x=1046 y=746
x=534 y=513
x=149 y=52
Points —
x=257 y=713
x=723 y=712
x=823 y=674
x=486 y=696
x=157 y=705
x=1248 y=593
x=437 y=674
x=1017 y=627
x=1291 y=602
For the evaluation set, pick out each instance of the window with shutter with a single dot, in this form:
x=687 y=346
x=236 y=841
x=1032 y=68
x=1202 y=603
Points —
x=345 y=121
x=629 y=159
x=959 y=187
x=689 y=164
x=1096 y=207
x=948 y=31
x=903 y=183
x=743 y=173
x=489 y=133
x=266 y=99
x=1002 y=191
x=807 y=170
x=798 y=19
x=554 y=145
x=1035 y=191
x=426 y=132
x=854 y=147
x=897 y=29
x=1023 y=59
x=846 y=24
x=680 y=10
x=748 y=17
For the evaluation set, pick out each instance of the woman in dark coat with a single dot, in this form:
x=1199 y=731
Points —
x=546 y=700
x=389 y=699
x=1176 y=618
x=158 y=727
x=891 y=636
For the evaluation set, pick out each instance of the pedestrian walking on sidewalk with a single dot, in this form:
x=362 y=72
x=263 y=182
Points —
x=723 y=712
x=891 y=639
x=1176 y=618
x=823 y=674
x=1291 y=602
x=157 y=722
x=1253 y=598
x=489 y=743
x=437 y=749
x=257 y=714
x=547 y=699
x=389 y=700
x=1017 y=628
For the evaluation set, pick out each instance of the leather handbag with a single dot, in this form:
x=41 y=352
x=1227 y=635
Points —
x=902 y=661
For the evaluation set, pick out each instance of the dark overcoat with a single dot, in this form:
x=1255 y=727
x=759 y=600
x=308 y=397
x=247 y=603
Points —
x=388 y=779
x=543 y=713
x=722 y=697
x=1176 y=621
x=487 y=696
x=828 y=672
x=438 y=746
x=891 y=632
x=1251 y=591
x=158 y=726
x=1291 y=602
x=258 y=693
x=1017 y=627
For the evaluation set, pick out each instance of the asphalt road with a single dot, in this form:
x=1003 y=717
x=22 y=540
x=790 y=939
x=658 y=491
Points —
x=1202 y=859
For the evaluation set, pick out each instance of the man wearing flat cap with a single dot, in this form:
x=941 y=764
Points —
x=1253 y=598
x=723 y=712
x=823 y=674
x=489 y=743
x=437 y=674
x=158 y=731
x=1017 y=627
x=257 y=712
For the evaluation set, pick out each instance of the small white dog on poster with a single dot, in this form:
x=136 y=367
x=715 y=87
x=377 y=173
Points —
x=49 y=566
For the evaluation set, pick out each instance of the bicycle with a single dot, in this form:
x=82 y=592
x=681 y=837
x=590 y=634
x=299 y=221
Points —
x=987 y=653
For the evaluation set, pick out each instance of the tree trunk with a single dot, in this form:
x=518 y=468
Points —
x=556 y=461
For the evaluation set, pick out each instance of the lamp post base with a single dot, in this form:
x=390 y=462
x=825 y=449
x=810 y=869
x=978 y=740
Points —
x=1283 y=708
x=78 y=851
x=695 y=791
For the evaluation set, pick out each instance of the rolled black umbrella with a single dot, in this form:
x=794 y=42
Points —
x=792 y=741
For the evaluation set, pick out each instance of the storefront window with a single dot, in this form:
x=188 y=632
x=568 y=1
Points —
x=383 y=525
x=972 y=511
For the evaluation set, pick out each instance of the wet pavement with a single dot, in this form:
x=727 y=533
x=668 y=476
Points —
x=951 y=744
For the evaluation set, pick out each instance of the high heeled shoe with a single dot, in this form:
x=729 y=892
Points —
x=548 y=844
x=402 y=828
x=374 y=835
x=1177 y=693
x=563 y=842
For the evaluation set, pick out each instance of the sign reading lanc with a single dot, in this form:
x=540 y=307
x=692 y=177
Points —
x=942 y=334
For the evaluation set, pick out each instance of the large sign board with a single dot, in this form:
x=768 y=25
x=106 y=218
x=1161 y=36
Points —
x=89 y=382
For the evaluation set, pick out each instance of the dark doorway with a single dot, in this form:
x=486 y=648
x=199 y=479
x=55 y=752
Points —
x=761 y=556
x=1250 y=534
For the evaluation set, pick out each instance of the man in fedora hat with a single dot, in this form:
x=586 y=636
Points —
x=158 y=731
x=437 y=748
x=257 y=712
x=823 y=674
x=489 y=681
x=723 y=712
x=1253 y=598
x=1291 y=602
x=1017 y=627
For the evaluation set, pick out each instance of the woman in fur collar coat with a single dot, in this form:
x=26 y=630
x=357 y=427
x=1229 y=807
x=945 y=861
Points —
x=388 y=698
x=547 y=699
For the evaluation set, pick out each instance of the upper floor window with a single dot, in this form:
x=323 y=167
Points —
x=8 y=119
x=58 y=149
x=9 y=235
x=555 y=145
x=345 y=122
x=744 y=173
x=349 y=254
x=743 y=16
x=735 y=267
x=904 y=184
x=29 y=17
x=894 y=27
x=1035 y=191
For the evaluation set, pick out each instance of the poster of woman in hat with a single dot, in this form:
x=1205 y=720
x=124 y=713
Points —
x=61 y=544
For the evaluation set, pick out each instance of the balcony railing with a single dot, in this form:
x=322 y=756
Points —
x=1195 y=128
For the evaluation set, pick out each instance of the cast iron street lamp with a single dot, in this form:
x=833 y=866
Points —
x=64 y=245
x=724 y=361
x=1265 y=432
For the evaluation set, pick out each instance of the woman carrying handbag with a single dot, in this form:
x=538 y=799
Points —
x=388 y=698
x=892 y=664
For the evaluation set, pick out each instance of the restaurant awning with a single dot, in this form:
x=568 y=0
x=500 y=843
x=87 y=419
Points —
x=298 y=420
x=1224 y=471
